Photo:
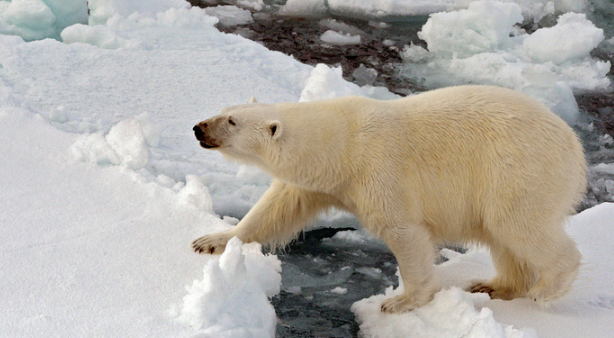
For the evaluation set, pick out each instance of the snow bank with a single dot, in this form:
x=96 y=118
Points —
x=481 y=45
x=232 y=299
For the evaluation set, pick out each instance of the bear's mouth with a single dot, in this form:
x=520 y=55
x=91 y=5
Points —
x=208 y=146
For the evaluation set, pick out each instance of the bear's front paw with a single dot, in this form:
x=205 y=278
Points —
x=400 y=303
x=212 y=244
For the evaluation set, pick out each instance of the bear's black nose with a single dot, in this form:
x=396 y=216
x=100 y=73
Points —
x=198 y=132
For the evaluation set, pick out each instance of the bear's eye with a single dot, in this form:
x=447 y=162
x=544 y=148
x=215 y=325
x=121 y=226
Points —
x=230 y=120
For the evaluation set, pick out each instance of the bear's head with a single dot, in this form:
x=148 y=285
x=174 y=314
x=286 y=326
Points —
x=244 y=133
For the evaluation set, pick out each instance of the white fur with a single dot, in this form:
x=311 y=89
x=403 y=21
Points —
x=461 y=164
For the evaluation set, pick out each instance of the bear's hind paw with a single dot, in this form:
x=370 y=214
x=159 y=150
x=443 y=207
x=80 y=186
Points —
x=494 y=292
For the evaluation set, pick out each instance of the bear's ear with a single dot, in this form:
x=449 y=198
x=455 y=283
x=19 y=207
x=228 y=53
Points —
x=252 y=100
x=276 y=129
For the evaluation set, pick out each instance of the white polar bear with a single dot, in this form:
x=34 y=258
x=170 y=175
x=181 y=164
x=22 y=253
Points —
x=474 y=164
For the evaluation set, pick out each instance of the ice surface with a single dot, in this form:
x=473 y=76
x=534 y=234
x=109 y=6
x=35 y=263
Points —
x=232 y=298
x=481 y=45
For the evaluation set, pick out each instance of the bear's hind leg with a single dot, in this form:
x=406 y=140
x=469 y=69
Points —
x=514 y=276
x=547 y=260
x=557 y=275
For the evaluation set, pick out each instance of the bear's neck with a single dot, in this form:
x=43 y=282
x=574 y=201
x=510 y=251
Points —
x=313 y=148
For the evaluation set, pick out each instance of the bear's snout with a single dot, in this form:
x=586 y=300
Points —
x=198 y=132
x=203 y=135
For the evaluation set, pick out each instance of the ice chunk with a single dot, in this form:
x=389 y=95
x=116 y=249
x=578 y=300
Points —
x=339 y=290
x=30 y=19
x=382 y=8
x=304 y=8
x=485 y=26
x=39 y=19
x=574 y=37
x=480 y=45
x=339 y=39
x=256 y=5
x=342 y=27
x=604 y=168
x=68 y=12
x=230 y=15
x=327 y=83
x=232 y=298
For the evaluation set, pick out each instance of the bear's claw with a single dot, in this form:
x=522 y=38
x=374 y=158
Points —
x=213 y=244
x=481 y=288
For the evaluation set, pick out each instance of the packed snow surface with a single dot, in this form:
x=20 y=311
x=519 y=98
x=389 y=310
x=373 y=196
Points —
x=104 y=187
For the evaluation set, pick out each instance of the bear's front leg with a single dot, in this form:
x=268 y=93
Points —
x=415 y=254
x=277 y=217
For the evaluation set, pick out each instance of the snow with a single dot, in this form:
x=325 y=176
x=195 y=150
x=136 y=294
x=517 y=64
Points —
x=232 y=298
x=104 y=187
x=453 y=313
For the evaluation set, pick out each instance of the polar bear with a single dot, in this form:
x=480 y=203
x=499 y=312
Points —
x=477 y=164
